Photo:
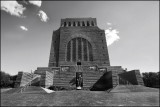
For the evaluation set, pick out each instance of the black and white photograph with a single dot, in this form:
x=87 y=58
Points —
x=79 y=53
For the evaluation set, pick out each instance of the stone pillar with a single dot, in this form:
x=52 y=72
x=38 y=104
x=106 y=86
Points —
x=76 y=23
x=85 y=23
x=82 y=49
x=71 y=23
x=66 y=24
x=87 y=51
x=80 y=23
x=76 y=49
x=71 y=50
x=93 y=24
x=90 y=23
x=62 y=24
x=68 y=51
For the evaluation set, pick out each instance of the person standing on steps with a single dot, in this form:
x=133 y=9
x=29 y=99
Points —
x=79 y=82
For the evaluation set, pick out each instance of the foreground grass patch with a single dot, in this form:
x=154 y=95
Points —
x=81 y=98
x=5 y=89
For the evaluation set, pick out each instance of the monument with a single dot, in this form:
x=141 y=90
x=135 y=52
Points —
x=79 y=59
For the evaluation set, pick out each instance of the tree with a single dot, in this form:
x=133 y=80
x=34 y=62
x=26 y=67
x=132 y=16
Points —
x=151 y=79
x=7 y=80
x=13 y=80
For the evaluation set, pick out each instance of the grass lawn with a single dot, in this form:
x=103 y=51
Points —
x=5 y=89
x=81 y=98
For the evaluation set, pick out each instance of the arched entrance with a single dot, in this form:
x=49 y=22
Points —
x=79 y=49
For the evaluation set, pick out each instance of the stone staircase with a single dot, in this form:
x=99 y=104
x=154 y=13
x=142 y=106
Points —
x=65 y=78
x=68 y=78
x=90 y=77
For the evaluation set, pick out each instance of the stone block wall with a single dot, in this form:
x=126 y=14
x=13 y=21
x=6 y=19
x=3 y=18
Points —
x=24 y=78
x=133 y=77
x=46 y=73
x=115 y=71
x=48 y=79
x=54 y=52
x=138 y=77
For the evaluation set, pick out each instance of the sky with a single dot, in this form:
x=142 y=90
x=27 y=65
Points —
x=131 y=27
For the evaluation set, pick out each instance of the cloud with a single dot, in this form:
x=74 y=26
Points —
x=109 y=24
x=111 y=36
x=24 y=28
x=43 y=16
x=13 y=7
x=25 y=2
x=37 y=3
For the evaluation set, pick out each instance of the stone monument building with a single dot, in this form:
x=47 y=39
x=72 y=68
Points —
x=79 y=39
x=79 y=58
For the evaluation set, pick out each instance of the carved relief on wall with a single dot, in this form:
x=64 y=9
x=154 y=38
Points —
x=64 y=68
x=93 y=68
x=79 y=49
x=56 y=70
x=102 y=69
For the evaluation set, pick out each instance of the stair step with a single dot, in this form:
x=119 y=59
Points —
x=74 y=77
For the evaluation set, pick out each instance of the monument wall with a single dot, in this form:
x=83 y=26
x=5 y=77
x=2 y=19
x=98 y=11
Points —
x=69 y=30
x=25 y=78
x=46 y=76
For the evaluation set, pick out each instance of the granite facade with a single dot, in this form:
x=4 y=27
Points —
x=91 y=33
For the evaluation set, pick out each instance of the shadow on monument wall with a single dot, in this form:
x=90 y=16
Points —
x=104 y=83
x=73 y=81
x=130 y=76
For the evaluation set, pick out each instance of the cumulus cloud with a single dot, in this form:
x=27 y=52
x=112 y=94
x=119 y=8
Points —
x=109 y=24
x=111 y=36
x=37 y=3
x=24 y=28
x=13 y=7
x=43 y=16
